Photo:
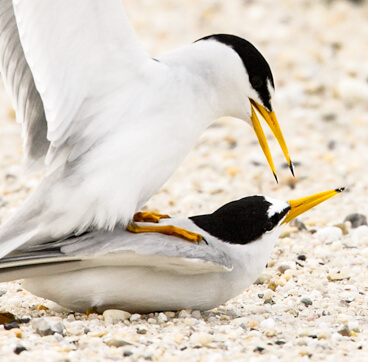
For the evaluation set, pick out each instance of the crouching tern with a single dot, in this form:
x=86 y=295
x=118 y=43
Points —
x=154 y=272
x=109 y=123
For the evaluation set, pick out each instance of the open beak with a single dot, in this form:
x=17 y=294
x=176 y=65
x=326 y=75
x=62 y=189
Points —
x=299 y=206
x=271 y=120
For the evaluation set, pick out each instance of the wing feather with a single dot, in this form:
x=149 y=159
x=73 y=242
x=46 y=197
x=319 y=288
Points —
x=114 y=248
x=20 y=85
x=80 y=53
x=62 y=61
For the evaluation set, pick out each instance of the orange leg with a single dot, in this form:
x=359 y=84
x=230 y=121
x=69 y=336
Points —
x=167 y=230
x=149 y=217
x=91 y=310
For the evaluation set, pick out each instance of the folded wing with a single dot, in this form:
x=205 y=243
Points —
x=116 y=248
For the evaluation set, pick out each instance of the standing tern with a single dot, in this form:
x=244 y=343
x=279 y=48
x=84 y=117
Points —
x=143 y=273
x=109 y=123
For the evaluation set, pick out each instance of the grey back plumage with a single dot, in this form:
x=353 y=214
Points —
x=114 y=248
x=20 y=84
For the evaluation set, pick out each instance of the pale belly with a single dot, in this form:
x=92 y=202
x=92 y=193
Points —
x=134 y=289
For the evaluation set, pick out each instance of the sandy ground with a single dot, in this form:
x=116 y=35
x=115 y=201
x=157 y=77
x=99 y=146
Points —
x=302 y=309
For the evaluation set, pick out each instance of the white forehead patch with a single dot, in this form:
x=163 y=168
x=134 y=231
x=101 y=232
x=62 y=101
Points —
x=276 y=207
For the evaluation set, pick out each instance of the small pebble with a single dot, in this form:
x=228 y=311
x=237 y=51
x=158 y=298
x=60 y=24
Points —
x=271 y=333
x=329 y=234
x=135 y=317
x=141 y=330
x=113 y=316
x=306 y=301
x=283 y=267
x=356 y=220
x=92 y=316
x=11 y=325
x=268 y=323
x=280 y=342
x=184 y=314
x=292 y=311
x=352 y=90
x=263 y=278
x=272 y=285
x=316 y=295
x=298 y=224
x=162 y=318
x=70 y=317
x=343 y=228
x=58 y=336
x=360 y=234
x=354 y=326
x=338 y=276
x=345 y=331
x=18 y=332
x=19 y=349
x=46 y=327
x=202 y=339
x=178 y=338
x=24 y=320
x=117 y=342
x=268 y=293
x=190 y=321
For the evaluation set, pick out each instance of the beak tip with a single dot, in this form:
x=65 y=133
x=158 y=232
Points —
x=291 y=166
x=340 y=189
x=275 y=176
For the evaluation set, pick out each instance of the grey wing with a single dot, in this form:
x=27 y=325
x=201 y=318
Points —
x=116 y=248
x=148 y=244
x=20 y=85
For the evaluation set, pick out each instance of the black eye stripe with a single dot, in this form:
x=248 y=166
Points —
x=256 y=82
x=268 y=226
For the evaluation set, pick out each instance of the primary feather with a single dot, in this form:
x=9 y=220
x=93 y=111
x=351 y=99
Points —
x=19 y=82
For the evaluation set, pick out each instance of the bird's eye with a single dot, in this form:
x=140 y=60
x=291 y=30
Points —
x=268 y=226
x=257 y=82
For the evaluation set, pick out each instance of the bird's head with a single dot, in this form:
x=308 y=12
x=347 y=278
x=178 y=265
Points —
x=248 y=219
x=247 y=86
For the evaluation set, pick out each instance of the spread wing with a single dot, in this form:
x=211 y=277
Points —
x=65 y=62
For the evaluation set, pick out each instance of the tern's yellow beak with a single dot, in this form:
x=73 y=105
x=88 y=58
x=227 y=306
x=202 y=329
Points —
x=270 y=118
x=299 y=206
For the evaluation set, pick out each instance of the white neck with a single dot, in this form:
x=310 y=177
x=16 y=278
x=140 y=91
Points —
x=250 y=260
x=217 y=74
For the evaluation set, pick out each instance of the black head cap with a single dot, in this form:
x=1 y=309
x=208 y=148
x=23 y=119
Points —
x=256 y=65
x=241 y=221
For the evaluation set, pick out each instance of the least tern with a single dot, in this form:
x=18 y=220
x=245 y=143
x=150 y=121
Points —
x=152 y=272
x=109 y=122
